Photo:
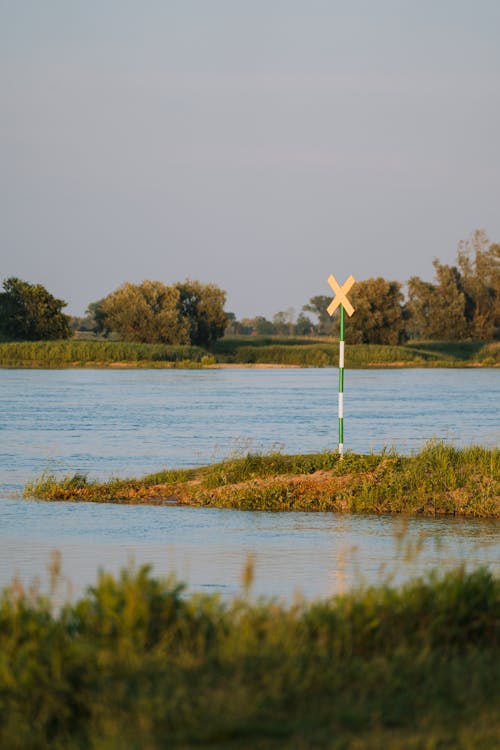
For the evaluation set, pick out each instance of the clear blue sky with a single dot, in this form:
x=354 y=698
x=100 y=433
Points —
x=260 y=145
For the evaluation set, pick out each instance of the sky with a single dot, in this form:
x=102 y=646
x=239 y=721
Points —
x=257 y=145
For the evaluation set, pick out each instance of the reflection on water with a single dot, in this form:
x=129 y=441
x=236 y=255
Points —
x=131 y=422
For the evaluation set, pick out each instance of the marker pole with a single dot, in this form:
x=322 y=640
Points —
x=341 y=384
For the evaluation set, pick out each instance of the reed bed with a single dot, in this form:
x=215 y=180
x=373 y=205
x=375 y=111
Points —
x=277 y=351
x=438 y=480
x=102 y=353
x=137 y=663
x=324 y=353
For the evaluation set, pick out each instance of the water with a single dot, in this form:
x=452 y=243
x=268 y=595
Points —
x=117 y=423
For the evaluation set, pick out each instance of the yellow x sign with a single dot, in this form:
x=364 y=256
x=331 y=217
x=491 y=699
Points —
x=340 y=295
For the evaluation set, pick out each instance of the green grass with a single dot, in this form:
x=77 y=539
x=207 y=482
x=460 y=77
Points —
x=136 y=663
x=300 y=352
x=315 y=353
x=439 y=479
x=81 y=353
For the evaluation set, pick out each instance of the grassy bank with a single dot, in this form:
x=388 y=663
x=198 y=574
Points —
x=324 y=353
x=439 y=479
x=99 y=354
x=136 y=663
x=246 y=351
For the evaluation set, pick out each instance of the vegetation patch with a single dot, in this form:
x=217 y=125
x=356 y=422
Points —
x=137 y=663
x=300 y=352
x=74 y=353
x=439 y=479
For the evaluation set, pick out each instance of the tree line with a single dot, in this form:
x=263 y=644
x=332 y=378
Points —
x=188 y=312
x=462 y=303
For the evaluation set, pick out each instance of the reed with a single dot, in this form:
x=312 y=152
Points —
x=137 y=663
x=439 y=479
x=281 y=351
x=81 y=353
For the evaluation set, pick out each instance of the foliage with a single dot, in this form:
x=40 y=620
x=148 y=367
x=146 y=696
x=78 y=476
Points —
x=147 y=312
x=318 y=305
x=439 y=479
x=479 y=264
x=464 y=303
x=136 y=663
x=152 y=312
x=378 y=317
x=29 y=312
x=301 y=352
x=96 y=318
x=202 y=307
x=98 y=353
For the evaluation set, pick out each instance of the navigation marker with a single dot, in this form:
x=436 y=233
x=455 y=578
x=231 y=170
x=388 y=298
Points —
x=340 y=300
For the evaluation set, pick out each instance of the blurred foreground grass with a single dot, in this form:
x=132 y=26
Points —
x=136 y=663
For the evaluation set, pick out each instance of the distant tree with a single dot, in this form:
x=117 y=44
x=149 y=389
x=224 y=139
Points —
x=438 y=311
x=479 y=264
x=464 y=300
x=450 y=320
x=379 y=313
x=304 y=325
x=318 y=305
x=283 y=322
x=97 y=318
x=420 y=306
x=201 y=307
x=29 y=312
x=147 y=312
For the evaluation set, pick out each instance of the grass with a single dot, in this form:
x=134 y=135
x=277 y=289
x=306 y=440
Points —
x=305 y=352
x=74 y=353
x=300 y=352
x=439 y=479
x=137 y=663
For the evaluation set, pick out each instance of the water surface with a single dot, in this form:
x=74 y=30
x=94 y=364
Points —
x=121 y=423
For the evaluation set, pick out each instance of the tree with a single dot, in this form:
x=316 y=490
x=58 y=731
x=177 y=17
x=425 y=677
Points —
x=147 y=312
x=304 y=325
x=283 y=322
x=201 y=308
x=438 y=311
x=419 y=307
x=449 y=320
x=152 y=312
x=379 y=313
x=29 y=312
x=97 y=318
x=479 y=264
x=464 y=301
x=318 y=305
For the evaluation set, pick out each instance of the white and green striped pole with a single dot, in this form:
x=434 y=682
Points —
x=340 y=300
x=341 y=383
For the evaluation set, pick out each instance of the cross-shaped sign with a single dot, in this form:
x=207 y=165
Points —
x=340 y=295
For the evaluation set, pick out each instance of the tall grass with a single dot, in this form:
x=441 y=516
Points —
x=439 y=479
x=67 y=353
x=281 y=351
x=318 y=353
x=136 y=663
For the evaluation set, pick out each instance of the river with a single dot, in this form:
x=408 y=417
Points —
x=120 y=423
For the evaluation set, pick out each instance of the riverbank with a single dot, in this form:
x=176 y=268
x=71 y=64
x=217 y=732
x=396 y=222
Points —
x=438 y=480
x=137 y=663
x=246 y=351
